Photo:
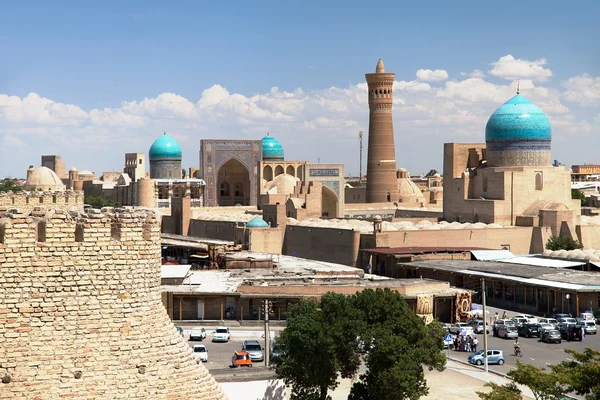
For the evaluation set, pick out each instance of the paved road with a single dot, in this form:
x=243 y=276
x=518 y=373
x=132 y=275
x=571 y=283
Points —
x=219 y=354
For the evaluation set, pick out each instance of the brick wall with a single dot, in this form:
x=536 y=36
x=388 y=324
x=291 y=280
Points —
x=81 y=313
x=27 y=201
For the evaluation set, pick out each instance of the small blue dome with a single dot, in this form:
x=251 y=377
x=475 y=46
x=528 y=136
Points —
x=257 y=222
x=518 y=120
x=165 y=147
x=271 y=149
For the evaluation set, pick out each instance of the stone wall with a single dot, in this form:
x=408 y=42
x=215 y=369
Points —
x=81 y=313
x=27 y=201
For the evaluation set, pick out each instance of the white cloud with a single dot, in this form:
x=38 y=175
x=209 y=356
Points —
x=322 y=123
x=428 y=75
x=511 y=68
x=476 y=73
x=583 y=89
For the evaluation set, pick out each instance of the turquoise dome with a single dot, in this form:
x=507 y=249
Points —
x=165 y=147
x=257 y=222
x=271 y=149
x=517 y=121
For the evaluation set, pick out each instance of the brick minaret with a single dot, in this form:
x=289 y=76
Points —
x=381 y=162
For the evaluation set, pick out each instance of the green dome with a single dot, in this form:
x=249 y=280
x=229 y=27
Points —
x=165 y=147
x=272 y=150
x=257 y=222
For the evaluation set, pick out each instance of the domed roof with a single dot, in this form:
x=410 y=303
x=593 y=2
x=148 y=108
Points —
x=281 y=184
x=45 y=179
x=165 y=147
x=271 y=149
x=257 y=222
x=518 y=120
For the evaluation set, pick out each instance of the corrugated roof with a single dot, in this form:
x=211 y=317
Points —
x=492 y=255
x=542 y=262
x=418 y=250
x=174 y=271
x=531 y=281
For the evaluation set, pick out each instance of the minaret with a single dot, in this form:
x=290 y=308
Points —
x=382 y=185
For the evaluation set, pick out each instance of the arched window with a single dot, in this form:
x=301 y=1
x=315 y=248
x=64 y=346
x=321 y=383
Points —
x=290 y=170
x=278 y=170
x=238 y=190
x=539 y=181
x=163 y=192
x=224 y=189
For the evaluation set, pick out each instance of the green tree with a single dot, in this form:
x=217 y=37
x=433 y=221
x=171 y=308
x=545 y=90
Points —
x=431 y=173
x=582 y=373
x=9 y=185
x=401 y=345
x=318 y=345
x=98 y=202
x=509 y=391
x=544 y=385
x=183 y=173
x=563 y=242
x=578 y=194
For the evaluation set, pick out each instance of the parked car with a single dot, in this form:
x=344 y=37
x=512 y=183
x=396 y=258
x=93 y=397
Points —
x=550 y=321
x=531 y=318
x=180 y=330
x=477 y=326
x=507 y=332
x=551 y=336
x=563 y=323
x=241 y=359
x=590 y=327
x=200 y=352
x=459 y=327
x=546 y=327
x=561 y=315
x=198 y=334
x=585 y=316
x=571 y=332
x=493 y=356
x=221 y=334
x=500 y=323
x=529 y=330
x=255 y=350
x=519 y=320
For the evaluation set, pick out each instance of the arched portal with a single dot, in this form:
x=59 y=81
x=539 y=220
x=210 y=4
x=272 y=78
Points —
x=329 y=203
x=233 y=185
x=278 y=170
x=268 y=173
x=290 y=170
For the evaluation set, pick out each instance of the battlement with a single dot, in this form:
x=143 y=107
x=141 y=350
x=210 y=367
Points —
x=81 y=312
x=26 y=201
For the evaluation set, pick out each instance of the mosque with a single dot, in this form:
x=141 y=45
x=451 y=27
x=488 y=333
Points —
x=509 y=180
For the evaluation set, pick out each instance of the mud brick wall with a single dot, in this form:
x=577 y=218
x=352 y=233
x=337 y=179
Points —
x=81 y=313
x=27 y=201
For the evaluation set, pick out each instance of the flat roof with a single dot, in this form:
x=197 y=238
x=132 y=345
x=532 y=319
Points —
x=559 y=278
x=418 y=250
x=542 y=262
x=172 y=271
x=190 y=241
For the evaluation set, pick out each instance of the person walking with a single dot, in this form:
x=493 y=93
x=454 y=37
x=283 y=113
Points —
x=496 y=317
x=468 y=344
x=475 y=344
x=582 y=334
x=504 y=315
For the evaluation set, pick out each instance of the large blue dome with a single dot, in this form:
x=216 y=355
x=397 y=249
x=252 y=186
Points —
x=271 y=149
x=165 y=147
x=518 y=120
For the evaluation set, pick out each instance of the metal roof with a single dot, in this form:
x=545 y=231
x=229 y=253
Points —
x=542 y=262
x=190 y=241
x=492 y=255
x=418 y=250
x=174 y=271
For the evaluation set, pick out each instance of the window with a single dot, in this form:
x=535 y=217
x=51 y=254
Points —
x=224 y=189
x=485 y=183
x=140 y=160
x=239 y=190
x=539 y=181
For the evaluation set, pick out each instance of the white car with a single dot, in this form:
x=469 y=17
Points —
x=200 y=353
x=459 y=327
x=546 y=327
x=530 y=318
x=221 y=334
x=198 y=334
x=590 y=327
x=550 y=321
x=585 y=316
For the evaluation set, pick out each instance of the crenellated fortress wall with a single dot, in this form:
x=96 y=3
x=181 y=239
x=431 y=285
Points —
x=81 y=313
x=26 y=201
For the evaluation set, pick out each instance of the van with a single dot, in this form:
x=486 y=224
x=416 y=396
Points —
x=585 y=316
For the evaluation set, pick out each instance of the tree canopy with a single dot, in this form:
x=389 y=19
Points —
x=98 y=202
x=563 y=242
x=510 y=391
x=324 y=341
x=578 y=194
x=9 y=185
x=581 y=374
x=431 y=173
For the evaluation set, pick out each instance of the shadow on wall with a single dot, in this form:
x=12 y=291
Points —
x=273 y=389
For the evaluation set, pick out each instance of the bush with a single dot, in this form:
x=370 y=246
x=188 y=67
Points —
x=578 y=194
x=99 y=202
x=563 y=243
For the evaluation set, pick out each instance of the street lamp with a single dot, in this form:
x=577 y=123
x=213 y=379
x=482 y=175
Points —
x=568 y=297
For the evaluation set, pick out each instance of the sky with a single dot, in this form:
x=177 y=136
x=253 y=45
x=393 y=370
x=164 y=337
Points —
x=91 y=81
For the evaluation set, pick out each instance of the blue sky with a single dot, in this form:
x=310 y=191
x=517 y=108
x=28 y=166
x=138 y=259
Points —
x=78 y=57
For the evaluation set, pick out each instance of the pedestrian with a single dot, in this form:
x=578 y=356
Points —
x=455 y=342
x=496 y=317
x=469 y=340
x=582 y=334
x=475 y=344
x=504 y=315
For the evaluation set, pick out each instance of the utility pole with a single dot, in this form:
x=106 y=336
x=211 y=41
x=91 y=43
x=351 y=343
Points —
x=360 y=136
x=267 y=334
x=485 y=341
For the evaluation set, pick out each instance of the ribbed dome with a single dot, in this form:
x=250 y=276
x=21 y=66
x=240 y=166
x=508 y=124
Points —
x=43 y=178
x=257 y=222
x=165 y=147
x=518 y=120
x=271 y=149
